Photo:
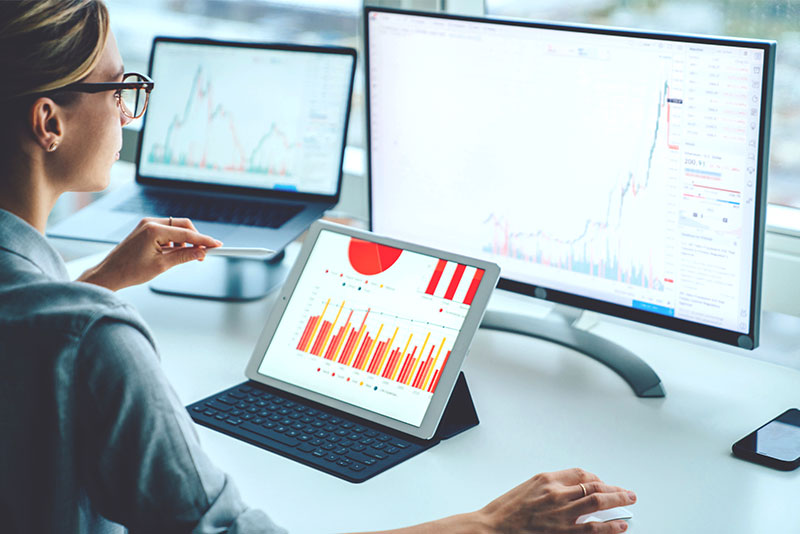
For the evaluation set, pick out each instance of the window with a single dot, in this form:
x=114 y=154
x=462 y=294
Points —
x=330 y=22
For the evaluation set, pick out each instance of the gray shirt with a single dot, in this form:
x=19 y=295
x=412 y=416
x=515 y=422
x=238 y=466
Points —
x=92 y=435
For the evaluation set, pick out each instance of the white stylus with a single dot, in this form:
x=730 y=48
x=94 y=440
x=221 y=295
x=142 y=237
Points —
x=240 y=252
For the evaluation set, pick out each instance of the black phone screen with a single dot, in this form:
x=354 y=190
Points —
x=779 y=439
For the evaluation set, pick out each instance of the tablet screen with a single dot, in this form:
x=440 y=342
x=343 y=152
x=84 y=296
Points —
x=371 y=325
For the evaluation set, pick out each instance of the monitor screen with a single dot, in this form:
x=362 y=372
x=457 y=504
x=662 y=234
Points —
x=618 y=171
x=247 y=115
x=389 y=317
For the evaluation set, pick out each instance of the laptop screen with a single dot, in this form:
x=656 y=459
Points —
x=271 y=118
x=371 y=325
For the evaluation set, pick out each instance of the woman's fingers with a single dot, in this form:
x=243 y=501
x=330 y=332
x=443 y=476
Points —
x=609 y=527
x=181 y=222
x=178 y=255
x=592 y=487
x=601 y=500
x=164 y=234
x=575 y=476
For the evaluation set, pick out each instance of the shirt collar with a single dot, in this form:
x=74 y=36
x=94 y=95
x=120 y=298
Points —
x=22 y=239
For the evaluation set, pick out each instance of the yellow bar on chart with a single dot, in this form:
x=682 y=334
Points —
x=424 y=384
x=330 y=331
x=341 y=343
x=386 y=352
x=367 y=358
x=314 y=332
x=419 y=359
x=354 y=348
x=399 y=363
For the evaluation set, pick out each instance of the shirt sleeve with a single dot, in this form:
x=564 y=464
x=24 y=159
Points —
x=140 y=455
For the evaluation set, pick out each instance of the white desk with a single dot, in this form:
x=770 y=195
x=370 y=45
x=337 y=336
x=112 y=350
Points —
x=542 y=408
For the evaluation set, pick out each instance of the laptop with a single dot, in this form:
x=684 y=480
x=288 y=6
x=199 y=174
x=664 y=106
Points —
x=245 y=139
x=358 y=366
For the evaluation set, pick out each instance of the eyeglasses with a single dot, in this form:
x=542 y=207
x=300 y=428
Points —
x=132 y=93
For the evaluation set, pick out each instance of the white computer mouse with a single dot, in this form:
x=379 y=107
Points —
x=606 y=515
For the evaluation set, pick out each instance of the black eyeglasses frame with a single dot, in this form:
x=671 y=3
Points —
x=98 y=87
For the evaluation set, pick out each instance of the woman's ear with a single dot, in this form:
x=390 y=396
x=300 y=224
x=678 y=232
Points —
x=46 y=123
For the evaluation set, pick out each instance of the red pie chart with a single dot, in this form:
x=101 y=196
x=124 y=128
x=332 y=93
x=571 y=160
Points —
x=371 y=258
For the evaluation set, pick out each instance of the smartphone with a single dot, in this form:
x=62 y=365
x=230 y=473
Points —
x=775 y=444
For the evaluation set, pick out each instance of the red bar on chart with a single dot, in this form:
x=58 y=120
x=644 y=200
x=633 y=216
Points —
x=349 y=346
x=408 y=370
x=422 y=367
x=423 y=377
x=314 y=330
x=385 y=351
x=405 y=365
x=361 y=350
x=316 y=349
x=376 y=359
x=473 y=287
x=419 y=373
x=334 y=344
x=312 y=321
x=362 y=353
x=379 y=354
x=351 y=339
x=347 y=353
x=437 y=275
x=371 y=350
x=328 y=334
x=451 y=289
x=387 y=372
x=433 y=380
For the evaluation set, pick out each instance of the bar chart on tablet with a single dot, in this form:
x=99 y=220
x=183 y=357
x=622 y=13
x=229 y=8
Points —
x=372 y=325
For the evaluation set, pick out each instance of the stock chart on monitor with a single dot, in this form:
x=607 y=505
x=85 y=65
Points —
x=247 y=116
x=612 y=166
x=372 y=325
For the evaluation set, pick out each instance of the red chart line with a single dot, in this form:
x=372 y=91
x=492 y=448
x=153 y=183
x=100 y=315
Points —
x=718 y=189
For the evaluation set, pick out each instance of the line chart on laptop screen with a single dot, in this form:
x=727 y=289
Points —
x=247 y=116
x=372 y=325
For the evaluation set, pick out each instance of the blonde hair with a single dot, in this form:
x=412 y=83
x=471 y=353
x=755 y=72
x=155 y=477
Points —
x=48 y=44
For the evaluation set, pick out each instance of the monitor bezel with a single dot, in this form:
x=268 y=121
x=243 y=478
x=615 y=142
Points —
x=238 y=189
x=749 y=340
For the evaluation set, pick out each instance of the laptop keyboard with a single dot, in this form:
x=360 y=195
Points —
x=309 y=433
x=203 y=208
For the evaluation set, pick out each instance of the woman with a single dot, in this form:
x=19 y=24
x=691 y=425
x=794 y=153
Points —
x=93 y=436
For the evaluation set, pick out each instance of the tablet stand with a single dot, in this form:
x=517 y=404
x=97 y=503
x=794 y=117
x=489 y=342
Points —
x=460 y=414
x=223 y=278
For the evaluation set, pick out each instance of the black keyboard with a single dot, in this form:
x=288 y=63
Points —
x=213 y=209
x=312 y=434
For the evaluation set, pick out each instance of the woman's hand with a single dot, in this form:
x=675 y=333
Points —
x=548 y=503
x=154 y=246
x=551 y=502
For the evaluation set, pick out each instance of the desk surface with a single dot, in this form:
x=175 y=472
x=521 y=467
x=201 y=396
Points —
x=542 y=407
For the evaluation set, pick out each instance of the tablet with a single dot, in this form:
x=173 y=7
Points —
x=374 y=326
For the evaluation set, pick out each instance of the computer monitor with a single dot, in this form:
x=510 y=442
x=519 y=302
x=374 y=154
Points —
x=611 y=170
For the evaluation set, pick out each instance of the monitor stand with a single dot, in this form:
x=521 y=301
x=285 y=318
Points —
x=223 y=278
x=559 y=327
